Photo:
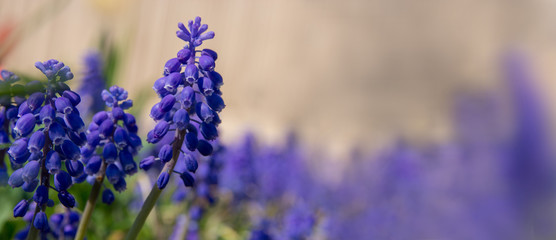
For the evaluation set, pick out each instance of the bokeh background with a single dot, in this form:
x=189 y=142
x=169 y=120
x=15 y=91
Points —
x=347 y=77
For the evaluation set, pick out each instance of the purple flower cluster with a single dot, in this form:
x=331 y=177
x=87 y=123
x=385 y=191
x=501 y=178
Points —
x=92 y=84
x=61 y=225
x=205 y=184
x=8 y=115
x=491 y=181
x=190 y=102
x=48 y=132
x=114 y=134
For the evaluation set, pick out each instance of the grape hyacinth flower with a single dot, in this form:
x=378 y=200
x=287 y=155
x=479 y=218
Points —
x=205 y=183
x=58 y=226
x=190 y=101
x=114 y=134
x=10 y=98
x=92 y=85
x=48 y=133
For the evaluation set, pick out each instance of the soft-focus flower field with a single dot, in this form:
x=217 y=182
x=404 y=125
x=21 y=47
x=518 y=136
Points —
x=342 y=120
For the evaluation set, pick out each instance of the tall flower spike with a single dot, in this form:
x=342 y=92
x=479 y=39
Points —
x=116 y=138
x=187 y=81
x=48 y=131
x=92 y=84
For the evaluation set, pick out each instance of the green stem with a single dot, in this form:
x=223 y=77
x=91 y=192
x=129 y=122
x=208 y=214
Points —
x=155 y=191
x=90 y=206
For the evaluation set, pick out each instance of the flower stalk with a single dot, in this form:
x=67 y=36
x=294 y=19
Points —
x=156 y=191
x=90 y=205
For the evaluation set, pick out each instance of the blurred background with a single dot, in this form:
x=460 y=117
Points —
x=354 y=81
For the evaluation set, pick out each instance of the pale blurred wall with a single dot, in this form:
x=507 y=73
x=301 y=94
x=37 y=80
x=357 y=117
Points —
x=339 y=72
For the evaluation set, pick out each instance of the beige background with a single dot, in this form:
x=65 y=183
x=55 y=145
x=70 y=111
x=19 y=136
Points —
x=342 y=73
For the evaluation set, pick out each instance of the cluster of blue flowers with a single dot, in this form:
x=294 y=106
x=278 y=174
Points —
x=61 y=225
x=10 y=98
x=271 y=177
x=93 y=83
x=48 y=132
x=51 y=144
x=114 y=133
x=206 y=188
x=190 y=102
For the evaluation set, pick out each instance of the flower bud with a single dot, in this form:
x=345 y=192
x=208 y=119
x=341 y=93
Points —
x=187 y=97
x=93 y=138
x=183 y=55
x=107 y=196
x=23 y=109
x=151 y=138
x=30 y=186
x=66 y=199
x=204 y=147
x=129 y=122
x=191 y=73
x=105 y=128
x=167 y=103
x=74 y=121
x=172 y=65
x=161 y=129
x=53 y=162
x=158 y=86
x=156 y=112
x=56 y=133
x=181 y=118
x=120 y=185
x=118 y=113
x=87 y=151
x=79 y=138
x=135 y=141
x=93 y=165
x=187 y=179
x=19 y=151
x=99 y=117
x=120 y=137
x=216 y=79
x=16 y=179
x=208 y=130
x=31 y=171
x=113 y=173
x=147 y=163
x=36 y=142
x=75 y=168
x=41 y=195
x=190 y=162
x=41 y=221
x=206 y=63
x=62 y=180
x=173 y=80
x=204 y=112
x=206 y=86
x=63 y=105
x=35 y=100
x=25 y=125
x=210 y=53
x=191 y=141
x=70 y=150
x=126 y=159
x=163 y=180
x=215 y=102
x=165 y=153
x=110 y=152
x=72 y=96
x=21 y=208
